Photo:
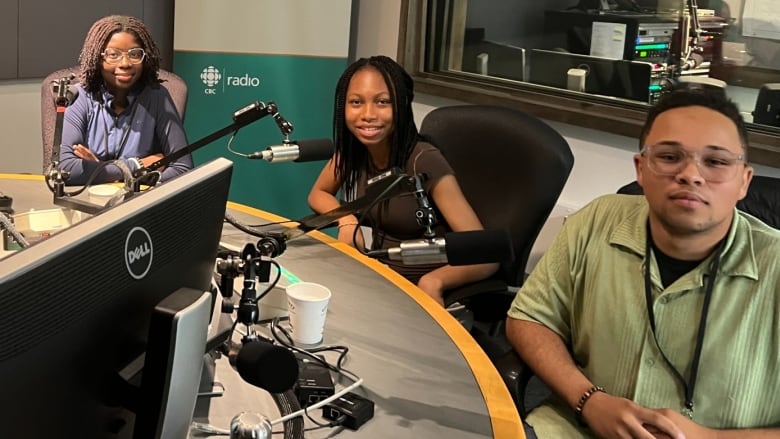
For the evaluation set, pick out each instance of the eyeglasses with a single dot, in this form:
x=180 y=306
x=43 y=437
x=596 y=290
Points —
x=114 y=56
x=714 y=165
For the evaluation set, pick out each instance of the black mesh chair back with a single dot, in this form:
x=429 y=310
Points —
x=512 y=168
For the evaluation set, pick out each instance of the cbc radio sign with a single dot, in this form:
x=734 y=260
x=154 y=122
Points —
x=212 y=77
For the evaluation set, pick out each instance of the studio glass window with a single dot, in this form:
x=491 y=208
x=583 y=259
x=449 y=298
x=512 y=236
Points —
x=599 y=63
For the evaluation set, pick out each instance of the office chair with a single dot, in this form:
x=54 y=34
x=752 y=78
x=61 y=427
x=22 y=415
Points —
x=511 y=167
x=175 y=85
x=762 y=201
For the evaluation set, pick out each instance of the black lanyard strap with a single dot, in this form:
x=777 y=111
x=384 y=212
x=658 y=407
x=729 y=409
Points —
x=690 y=384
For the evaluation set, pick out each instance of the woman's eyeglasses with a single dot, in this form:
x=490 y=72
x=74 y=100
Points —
x=114 y=56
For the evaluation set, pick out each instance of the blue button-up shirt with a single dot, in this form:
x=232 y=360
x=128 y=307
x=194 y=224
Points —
x=150 y=124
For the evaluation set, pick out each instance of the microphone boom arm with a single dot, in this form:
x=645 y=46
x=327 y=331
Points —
x=393 y=184
x=244 y=116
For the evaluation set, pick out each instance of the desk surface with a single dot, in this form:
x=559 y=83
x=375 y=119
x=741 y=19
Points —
x=424 y=372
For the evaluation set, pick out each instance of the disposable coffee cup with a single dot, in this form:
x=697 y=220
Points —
x=307 y=303
x=102 y=193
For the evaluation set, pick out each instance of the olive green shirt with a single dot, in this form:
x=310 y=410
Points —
x=589 y=289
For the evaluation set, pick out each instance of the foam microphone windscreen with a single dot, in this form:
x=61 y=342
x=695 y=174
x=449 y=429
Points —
x=270 y=367
x=478 y=247
x=312 y=150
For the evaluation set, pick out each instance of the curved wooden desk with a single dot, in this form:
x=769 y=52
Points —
x=424 y=372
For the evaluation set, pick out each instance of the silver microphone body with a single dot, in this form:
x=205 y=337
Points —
x=420 y=251
x=455 y=248
x=281 y=153
x=307 y=150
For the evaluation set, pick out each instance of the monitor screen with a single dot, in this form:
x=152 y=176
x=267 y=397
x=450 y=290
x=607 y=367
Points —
x=76 y=311
x=606 y=77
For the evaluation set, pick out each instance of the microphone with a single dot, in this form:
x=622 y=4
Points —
x=296 y=151
x=693 y=61
x=456 y=248
x=265 y=365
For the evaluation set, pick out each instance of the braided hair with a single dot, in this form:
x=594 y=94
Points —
x=352 y=157
x=91 y=58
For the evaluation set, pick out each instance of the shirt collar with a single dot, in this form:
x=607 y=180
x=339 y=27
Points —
x=108 y=97
x=738 y=258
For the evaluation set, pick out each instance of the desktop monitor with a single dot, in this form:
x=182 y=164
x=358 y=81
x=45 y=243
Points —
x=606 y=77
x=81 y=311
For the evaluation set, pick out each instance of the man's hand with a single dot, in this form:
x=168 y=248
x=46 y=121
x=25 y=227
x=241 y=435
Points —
x=613 y=417
x=84 y=153
x=691 y=429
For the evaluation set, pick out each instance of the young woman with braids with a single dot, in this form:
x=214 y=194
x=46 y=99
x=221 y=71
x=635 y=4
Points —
x=374 y=131
x=121 y=112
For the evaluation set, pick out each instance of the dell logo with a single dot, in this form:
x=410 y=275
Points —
x=138 y=252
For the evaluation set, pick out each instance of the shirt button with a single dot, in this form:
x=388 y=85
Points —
x=664 y=300
x=650 y=362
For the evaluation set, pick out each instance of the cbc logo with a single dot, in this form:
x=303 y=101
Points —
x=211 y=77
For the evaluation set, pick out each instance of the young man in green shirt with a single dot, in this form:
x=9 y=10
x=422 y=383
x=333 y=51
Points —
x=659 y=316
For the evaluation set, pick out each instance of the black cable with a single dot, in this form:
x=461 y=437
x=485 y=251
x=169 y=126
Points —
x=242 y=227
x=288 y=403
x=230 y=142
x=316 y=422
x=332 y=424
x=275 y=281
x=283 y=331
x=91 y=178
x=310 y=354
x=275 y=223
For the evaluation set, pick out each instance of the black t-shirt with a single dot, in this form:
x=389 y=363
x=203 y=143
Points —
x=394 y=220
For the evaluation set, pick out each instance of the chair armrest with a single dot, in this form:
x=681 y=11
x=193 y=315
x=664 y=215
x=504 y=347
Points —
x=516 y=375
x=488 y=299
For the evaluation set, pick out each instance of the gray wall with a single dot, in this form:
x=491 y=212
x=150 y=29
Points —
x=40 y=36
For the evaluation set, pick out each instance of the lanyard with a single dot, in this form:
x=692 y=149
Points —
x=690 y=384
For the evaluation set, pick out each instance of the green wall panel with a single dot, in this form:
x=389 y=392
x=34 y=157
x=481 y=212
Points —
x=301 y=87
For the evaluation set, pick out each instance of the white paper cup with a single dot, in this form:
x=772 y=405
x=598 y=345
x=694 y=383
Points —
x=101 y=193
x=307 y=303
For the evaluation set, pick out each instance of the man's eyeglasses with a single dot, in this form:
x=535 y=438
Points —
x=114 y=56
x=714 y=165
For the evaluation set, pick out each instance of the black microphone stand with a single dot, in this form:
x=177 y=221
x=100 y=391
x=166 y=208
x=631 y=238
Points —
x=255 y=265
x=56 y=177
x=425 y=215
x=244 y=116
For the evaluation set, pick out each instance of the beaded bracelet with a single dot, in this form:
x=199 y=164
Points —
x=583 y=399
x=346 y=224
